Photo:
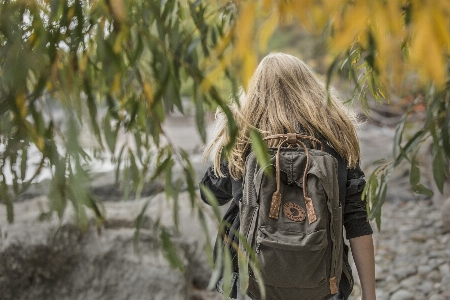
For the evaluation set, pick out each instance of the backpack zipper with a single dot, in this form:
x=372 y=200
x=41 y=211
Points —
x=257 y=248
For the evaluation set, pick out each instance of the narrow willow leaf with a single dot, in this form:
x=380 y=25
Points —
x=170 y=252
x=212 y=200
x=260 y=148
x=411 y=145
x=167 y=163
x=110 y=134
x=231 y=123
x=227 y=271
x=176 y=205
x=134 y=171
x=139 y=221
x=23 y=162
x=445 y=128
x=6 y=199
x=218 y=267
x=244 y=274
x=365 y=195
x=330 y=72
x=138 y=141
x=92 y=107
x=119 y=163
x=373 y=192
x=206 y=228
x=414 y=176
x=96 y=206
x=439 y=168
x=199 y=115
x=422 y=190
x=126 y=182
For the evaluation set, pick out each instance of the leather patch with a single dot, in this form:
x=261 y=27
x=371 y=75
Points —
x=294 y=212
x=275 y=205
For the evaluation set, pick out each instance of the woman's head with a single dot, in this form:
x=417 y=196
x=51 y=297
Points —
x=284 y=95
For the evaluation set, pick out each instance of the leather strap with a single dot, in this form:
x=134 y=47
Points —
x=292 y=139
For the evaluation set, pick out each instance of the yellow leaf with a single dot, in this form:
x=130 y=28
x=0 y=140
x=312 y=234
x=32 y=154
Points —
x=31 y=38
x=381 y=34
x=267 y=5
x=49 y=86
x=83 y=63
x=305 y=11
x=244 y=28
x=116 y=84
x=70 y=13
x=267 y=30
x=395 y=16
x=355 y=21
x=214 y=75
x=249 y=65
x=426 y=53
x=441 y=27
x=117 y=47
x=148 y=92
x=39 y=142
x=21 y=105
x=118 y=10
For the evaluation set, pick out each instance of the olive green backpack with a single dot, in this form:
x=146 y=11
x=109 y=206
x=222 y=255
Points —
x=292 y=219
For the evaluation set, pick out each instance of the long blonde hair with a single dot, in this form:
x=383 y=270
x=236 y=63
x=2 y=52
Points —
x=284 y=96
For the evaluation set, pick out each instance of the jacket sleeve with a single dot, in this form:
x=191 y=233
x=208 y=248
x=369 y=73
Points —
x=355 y=213
x=220 y=186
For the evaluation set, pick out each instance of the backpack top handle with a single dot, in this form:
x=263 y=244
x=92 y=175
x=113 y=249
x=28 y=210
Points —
x=292 y=139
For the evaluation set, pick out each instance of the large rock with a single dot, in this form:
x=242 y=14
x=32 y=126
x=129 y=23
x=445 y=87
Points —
x=49 y=260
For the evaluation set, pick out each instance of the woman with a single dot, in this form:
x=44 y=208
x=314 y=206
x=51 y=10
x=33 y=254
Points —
x=285 y=96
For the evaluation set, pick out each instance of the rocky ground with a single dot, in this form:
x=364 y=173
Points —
x=49 y=261
x=412 y=253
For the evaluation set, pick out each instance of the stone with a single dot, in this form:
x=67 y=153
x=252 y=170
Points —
x=434 y=276
x=410 y=282
x=444 y=268
x=426 y=287
x=436 y=297
x=419 y=237
x=402 y=295
x=404 y=272
x=446 y=280
x=424 y=269
x=446 y=216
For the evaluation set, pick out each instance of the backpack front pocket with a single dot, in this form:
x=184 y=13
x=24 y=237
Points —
x=292 y=259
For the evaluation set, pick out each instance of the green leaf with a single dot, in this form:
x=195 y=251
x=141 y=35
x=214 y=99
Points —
x=439 y=168
x=259 y=148
x=170 y=251
x=414 y=175
x=330 y=72
x=167 y=163
x=218 y=267
x=139 y=222
x=109 y=133
x=445 y=135
x=420 y=189
x=227 y=271
x=6 y=198
x=23 y=162
x=199 y=115
x=212 y=200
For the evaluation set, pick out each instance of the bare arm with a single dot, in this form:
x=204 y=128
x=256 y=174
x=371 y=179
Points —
x=363 y=254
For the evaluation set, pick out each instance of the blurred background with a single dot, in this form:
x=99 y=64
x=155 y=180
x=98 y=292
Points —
x=106 y=107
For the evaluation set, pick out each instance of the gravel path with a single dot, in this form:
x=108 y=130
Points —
x=412 y=254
